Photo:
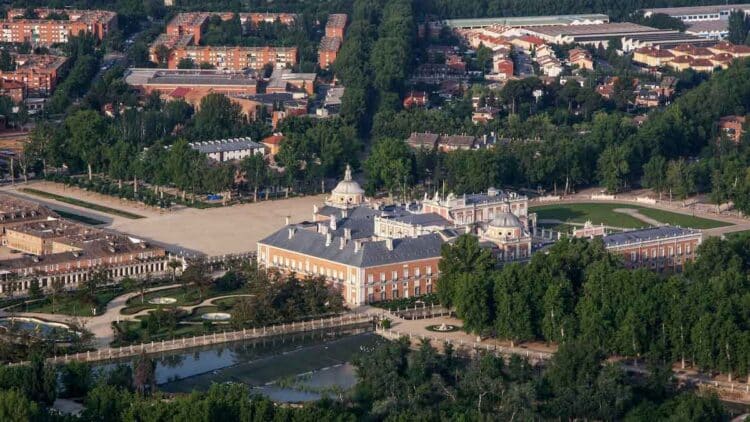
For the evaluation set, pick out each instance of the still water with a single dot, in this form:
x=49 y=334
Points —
x=289 y=369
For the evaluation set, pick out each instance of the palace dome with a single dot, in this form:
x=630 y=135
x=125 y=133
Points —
x=505 y=219
x=348 y=186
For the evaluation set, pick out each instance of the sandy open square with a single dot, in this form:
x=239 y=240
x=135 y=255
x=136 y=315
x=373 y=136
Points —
x=213 y=231
x=219 y=231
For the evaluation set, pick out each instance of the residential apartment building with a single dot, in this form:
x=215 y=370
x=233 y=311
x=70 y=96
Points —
x=328 y=49
x=235 y=58
x=663 y=248
x=336 y=25
x=195 y=24
x=37 y=72
x=45 y=32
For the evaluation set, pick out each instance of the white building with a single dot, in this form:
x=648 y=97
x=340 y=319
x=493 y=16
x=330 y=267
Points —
x=229 y=149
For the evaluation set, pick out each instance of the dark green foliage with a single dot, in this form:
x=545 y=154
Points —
x=577 y=292
x=77 y=379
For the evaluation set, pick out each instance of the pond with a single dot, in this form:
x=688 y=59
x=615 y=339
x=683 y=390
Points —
x=291 y=369
x=38 y=328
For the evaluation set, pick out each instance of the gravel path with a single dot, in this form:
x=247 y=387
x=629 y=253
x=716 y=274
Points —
x=638 y=216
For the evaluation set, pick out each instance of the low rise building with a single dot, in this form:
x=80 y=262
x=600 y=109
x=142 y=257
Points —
x=15 y=211
x=663 y=248
x=273 y=143
x=178 y=83
x=448 y=143
x=46 y=31
x=234 y=149
x=416 y=99
x=710 y=21
x=595 y=35
x=65 y=252
x=484 y=114
x=284 y=80
x=581 y=58
x=732 y=127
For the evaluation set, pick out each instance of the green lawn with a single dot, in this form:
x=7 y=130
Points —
x=74 y=304
x=605 y=214
x=681 y=219
x=596 y=213
x=84 y=204
x=184 y=298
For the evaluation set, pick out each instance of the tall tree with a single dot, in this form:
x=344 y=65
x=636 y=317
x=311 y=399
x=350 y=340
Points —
x=89 y=137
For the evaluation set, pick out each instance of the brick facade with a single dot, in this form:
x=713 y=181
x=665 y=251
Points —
x=50 y=31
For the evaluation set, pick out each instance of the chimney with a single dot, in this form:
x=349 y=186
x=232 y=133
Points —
x=329 y=238
x=288 y=220
x=333 y=222
x=389 y=244
x=356 y=246
x=291 y=232
x=342 y=243
x=348 y=233
x=344 y=213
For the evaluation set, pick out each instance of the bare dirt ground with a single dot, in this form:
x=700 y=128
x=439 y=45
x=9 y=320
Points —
x=213 y=231
x=219 y=231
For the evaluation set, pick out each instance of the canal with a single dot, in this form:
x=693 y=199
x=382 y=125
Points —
x=295 y=368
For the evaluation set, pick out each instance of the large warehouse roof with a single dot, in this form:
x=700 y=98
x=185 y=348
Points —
x=529 y=21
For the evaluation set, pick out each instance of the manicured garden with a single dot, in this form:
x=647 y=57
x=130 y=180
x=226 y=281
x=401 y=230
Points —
x=74 y=303
x=267 y=298
x=605 y=214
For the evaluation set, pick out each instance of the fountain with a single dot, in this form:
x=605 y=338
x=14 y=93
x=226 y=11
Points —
x=162 y=301
x=442 y=328
x=216 y=316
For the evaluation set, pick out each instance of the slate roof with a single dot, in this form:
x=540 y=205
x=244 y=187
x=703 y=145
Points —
x=428 y=219
x=644 y=235
x=226 y=145
x=370 y=254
